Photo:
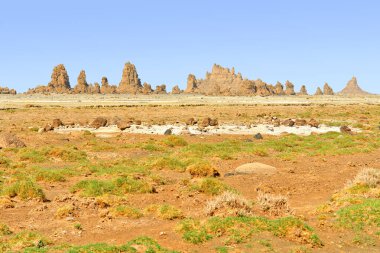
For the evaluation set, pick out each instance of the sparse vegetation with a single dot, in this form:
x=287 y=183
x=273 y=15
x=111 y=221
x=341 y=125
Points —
x=24 y=188
x=211 y=186
x=118 y=186
x=273 y=204
x=228 y=204
x=239 y=229
x=165 y=212
x=126 y=211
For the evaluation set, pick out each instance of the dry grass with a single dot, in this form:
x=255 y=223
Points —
x=368 y=176
x=273 y=204
x=228 y=204
x=202 y=169
x=65 y=211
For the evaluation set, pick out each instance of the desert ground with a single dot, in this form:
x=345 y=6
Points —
x=122 y=191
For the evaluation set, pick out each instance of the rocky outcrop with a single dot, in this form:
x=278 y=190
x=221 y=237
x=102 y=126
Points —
x=289 y=88
x=279 y=89
x=318 y=92
x=221 y=81
x=160 y=89
x=130 y=82
x=352 y=88
x=106 y=88
x=327 y=90
x=303 y=90
x=99 y=122
x=176 y=90
x=93 y=89
x=191 y=84
x=147 y=89
x=6 y=90
x=82 y=85
x=60 y=82
x=262 y=88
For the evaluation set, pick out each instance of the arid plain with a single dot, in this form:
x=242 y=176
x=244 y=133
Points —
x=121 y=191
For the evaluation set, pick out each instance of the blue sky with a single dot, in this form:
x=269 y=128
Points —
x=307 y=42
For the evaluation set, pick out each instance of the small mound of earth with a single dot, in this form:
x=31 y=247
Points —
x=255 y=168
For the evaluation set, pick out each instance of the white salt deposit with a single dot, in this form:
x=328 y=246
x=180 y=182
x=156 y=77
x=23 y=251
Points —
x=179 y=129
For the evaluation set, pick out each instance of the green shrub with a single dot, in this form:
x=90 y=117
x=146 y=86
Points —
x=25 y=189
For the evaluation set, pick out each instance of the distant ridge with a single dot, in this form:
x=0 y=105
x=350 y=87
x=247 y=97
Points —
x=352 y=88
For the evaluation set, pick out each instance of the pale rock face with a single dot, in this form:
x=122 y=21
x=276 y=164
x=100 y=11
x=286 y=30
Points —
x=327 y=90
x=130 y=82
x=82 y=85
x=318 y=92
x=289 y=88
x=353 y=88
x=303 y=90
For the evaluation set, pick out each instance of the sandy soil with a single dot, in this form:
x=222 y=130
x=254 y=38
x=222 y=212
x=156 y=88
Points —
x=307 y=181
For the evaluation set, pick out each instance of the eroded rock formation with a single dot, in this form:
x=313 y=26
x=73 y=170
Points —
x=318 y=92
x=160 y=89
x=327 y=90
x=303 y=90
x=82 y=85
x=147 y=89
x=279 y=89
x=60 y=82
x=6 y=90
x=176 y=90
x=191 y=84
x=289 y=88
x=130 y=82
x=106 y=88
x=352 y=88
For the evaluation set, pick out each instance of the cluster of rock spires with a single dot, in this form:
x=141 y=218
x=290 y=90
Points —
x=6 y=90
x=223 y=81
x=220 y=82
x=129 y=84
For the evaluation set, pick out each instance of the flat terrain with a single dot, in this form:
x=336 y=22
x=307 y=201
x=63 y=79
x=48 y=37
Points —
x=78 y=192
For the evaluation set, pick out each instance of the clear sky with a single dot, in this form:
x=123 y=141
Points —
x=307 y=42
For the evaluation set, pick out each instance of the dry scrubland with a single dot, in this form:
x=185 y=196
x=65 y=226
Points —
x=139 y=193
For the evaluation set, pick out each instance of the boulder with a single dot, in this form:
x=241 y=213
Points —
x=258 y=136
x=300 y=122
x=213 y=122
x=168 y=132
x=57 y=123
x=255 y=168
x=288 y=122
x=205 y=122
x=122 y=125
x=345 y=130
x=9 y=140
x=99 y=122
x=313 y=123
x=190 y=121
